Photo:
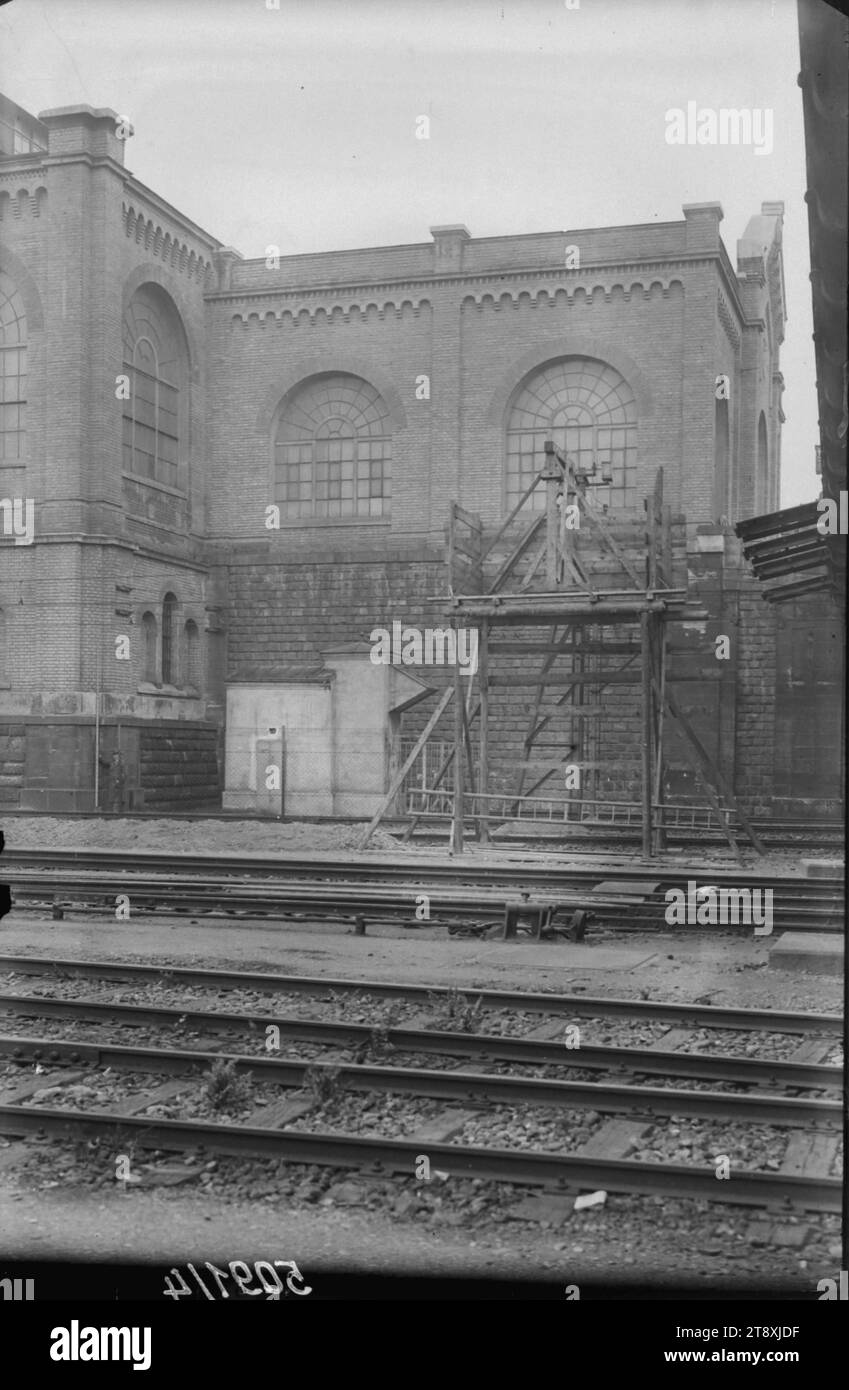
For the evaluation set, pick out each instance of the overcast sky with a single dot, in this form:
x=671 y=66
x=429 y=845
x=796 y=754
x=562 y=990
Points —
x=296 y=127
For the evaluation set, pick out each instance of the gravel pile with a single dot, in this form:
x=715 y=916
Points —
x=701 y=1143
x=530 y=1127
x=192 y=837
x=371 y=1115
x=766 y=1047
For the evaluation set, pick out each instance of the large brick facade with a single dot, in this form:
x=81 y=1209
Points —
x=151 y=586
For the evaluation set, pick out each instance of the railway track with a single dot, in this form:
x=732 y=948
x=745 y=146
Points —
x=629 y=897
x=770 y=1103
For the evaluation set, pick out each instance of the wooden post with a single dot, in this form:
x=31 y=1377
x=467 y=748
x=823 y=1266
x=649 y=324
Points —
x=483 y=746
x=647 y=733
x=659 y=679
x=408 y=763
x=554 y=481
x=459 y=762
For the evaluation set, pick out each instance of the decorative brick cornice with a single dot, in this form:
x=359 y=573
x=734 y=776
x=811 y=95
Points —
x=149 y=234
x=306 y=309
x=552 y=292
x=726 y=318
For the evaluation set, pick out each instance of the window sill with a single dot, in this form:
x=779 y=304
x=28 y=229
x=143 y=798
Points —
x=152 y=482
x=313 y=522
x=169 y=692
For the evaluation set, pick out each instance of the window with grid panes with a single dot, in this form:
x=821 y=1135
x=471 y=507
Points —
x=333 y=451
x=13 y=372
x=589 y=411
x=155 y=362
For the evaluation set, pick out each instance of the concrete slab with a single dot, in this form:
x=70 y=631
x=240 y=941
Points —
x=816 y=953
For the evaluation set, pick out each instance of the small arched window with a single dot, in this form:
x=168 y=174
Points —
x=333 y=450
x=148 y=624
x=169 y=610
x=13 y=372
x=156 y=363
x=590 y=412
x=192 y=650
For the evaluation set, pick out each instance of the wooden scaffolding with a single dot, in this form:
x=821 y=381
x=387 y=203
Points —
x=559 y=641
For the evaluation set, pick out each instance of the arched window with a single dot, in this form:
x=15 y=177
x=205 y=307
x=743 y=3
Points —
x=156 y=362
x=148 y=624
x=169 y=610
x=589 y=411
x=762 y=486
x=192 y=654
x=721 y=459
x=13 y=372
x=333 y=450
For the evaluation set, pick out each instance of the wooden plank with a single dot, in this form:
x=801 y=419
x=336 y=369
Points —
x=405 y=768
x=546 y=648
x=459 y=767
x=169 y=1090
x=473 y=556
x=279 y=1113
x=516 y=553
x=616 y=1138
x=483 y=736
x=572 y=678
x=811 y=1050
x=810 y=1155
x=41 y=1083
x=515 y=512
x=647 y=734
x=531 y=574
x=443 y=1127
x=471 y=520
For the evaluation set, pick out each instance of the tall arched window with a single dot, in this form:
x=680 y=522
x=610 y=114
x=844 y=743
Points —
x=148 y=624
x=762 y=486
x=333 y=450
x=589 y=411
x=169 y=611
x=191 y=638
x=721 y=460
x=13 y=372
x=156 y=362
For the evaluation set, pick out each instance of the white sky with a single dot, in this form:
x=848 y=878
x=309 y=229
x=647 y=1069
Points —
x=296 y=127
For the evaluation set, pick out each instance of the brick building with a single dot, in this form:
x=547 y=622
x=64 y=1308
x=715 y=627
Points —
x=240 y=468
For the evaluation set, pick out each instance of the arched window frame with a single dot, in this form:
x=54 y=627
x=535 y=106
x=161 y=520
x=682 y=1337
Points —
x=149 y=648
x=155 y=415
x=332 y=445
x=170 y=676
x=192 y=654
x=607 y=433
x=13 y=373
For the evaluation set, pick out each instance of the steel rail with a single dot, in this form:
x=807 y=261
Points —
x=530 y=1167
x=744 y=1071
x=696 y=1015
x=86 y=894
x=606 y=1097
x=472 y=872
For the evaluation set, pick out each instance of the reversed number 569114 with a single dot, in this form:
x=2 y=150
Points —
x=242 y=1276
